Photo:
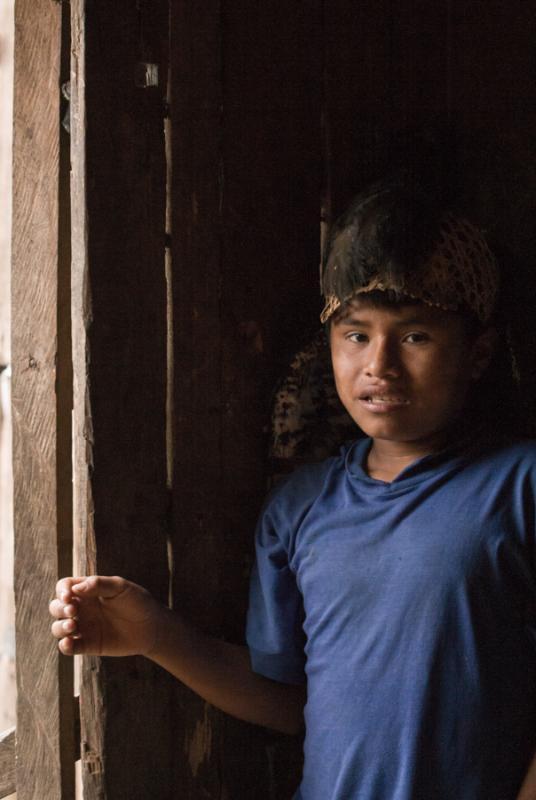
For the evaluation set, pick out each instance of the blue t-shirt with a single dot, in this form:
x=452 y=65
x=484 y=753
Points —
x=409 y=609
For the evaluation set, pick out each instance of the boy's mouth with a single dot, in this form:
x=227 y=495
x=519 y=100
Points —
x=383 y=400
x=383 y=403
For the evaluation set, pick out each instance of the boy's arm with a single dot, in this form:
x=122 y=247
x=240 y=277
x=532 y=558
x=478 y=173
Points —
x=528 y=788
x=112 y=616
x=221 y=673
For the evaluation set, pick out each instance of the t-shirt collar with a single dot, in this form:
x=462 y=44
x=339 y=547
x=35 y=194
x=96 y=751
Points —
x=419 y=470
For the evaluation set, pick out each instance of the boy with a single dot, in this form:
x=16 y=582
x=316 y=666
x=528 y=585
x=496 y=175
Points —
x=394 y=583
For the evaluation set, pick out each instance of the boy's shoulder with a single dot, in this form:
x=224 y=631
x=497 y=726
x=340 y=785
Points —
x=508 y=452
x=307 y=477
x=296 y=491
x=504 y=465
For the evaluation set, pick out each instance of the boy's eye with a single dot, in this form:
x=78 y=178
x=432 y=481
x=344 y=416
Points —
x=417 y=337
x=357 y=337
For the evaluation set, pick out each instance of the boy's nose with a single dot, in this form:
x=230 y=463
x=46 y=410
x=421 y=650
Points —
x=383 y=361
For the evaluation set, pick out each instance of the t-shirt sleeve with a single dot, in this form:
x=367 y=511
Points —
x=274 y=629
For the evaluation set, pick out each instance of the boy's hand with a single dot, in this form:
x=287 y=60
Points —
x=104 y=616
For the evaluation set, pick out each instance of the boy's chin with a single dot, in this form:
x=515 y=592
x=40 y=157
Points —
x=390 y=431
x=383 y=429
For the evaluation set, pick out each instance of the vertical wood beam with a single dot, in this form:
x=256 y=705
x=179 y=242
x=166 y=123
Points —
x=43 y=545
x=119 y=345
x=8 y=690
x=196 y=106
x=245 y=210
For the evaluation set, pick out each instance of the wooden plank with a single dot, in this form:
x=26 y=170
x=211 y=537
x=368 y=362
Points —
x=119 y=313
x=7 y=762
x=91 y=704
x=269 y=304
x=92 y=749
x=45 y=763
x=6 y=127
x=8 y=692
x=245 y=208
x=386 y=91
x=196 y=100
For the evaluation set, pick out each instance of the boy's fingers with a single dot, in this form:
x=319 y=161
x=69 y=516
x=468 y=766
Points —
x=59 y=610
x=91 y=585
x=71 y=647
x=99 y=586
x=65 y=585
x=61 y=628
x=56 y=607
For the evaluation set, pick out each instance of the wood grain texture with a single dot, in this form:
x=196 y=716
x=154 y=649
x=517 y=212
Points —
x=7 y=762
x=45 y=733
x=91 y=702
x=6 y=132
x=245 y=206
x=119 y=309
x=196 y=107
x=8 y=692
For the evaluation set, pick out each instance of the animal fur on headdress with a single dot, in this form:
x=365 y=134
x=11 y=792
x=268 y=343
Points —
x=395 y=237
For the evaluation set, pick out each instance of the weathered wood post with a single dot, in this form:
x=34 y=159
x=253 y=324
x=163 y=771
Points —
x=41 y=406
x=7 y=612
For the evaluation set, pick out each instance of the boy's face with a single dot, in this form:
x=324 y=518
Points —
x=403 y=373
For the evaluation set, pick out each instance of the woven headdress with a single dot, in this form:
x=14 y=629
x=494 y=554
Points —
x=395 y=238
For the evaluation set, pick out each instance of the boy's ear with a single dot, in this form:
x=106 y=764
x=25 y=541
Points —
x=482 y=352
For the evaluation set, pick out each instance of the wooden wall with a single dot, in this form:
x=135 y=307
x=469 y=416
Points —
x=7 y=626
x=276 y=114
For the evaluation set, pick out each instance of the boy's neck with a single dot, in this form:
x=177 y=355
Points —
x=387 y=459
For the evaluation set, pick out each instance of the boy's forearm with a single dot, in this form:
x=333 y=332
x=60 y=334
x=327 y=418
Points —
x=221 y=673
x=528 y=788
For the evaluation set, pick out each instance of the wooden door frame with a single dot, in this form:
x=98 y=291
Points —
x=45 y=738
